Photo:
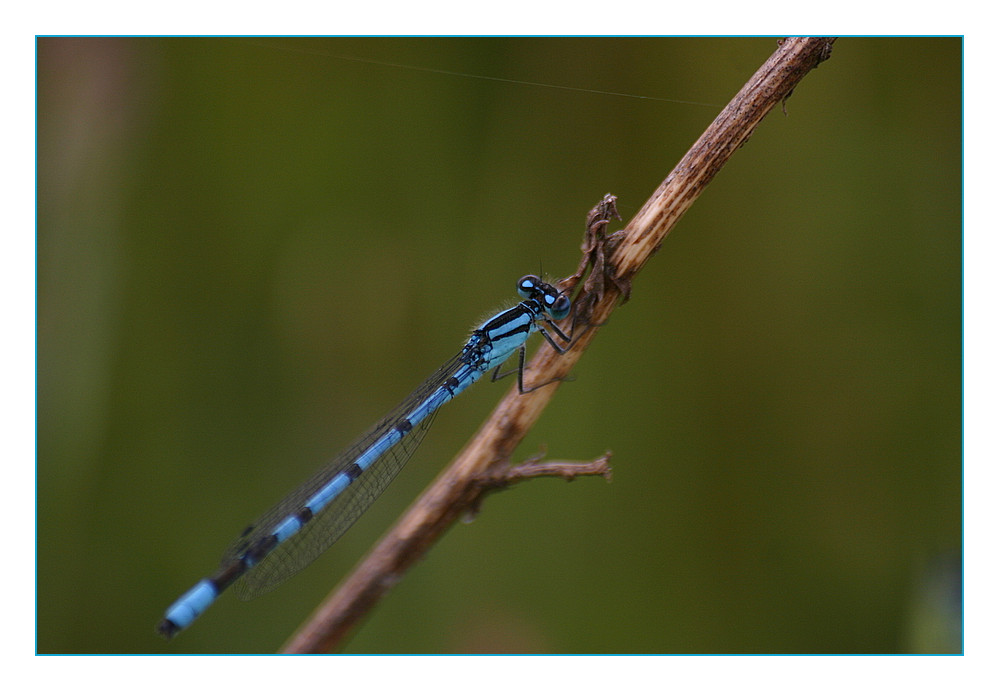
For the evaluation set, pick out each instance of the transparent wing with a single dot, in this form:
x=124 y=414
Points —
x=326 y=527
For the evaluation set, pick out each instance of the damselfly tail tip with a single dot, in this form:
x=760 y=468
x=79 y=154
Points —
x=167 y=629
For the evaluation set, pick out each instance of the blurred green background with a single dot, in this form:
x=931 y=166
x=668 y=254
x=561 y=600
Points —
x=248 y=250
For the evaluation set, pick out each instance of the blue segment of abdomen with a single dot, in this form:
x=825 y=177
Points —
x=191 y=604
x=328 y=493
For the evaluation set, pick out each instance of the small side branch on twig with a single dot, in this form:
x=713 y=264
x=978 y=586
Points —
x=501 y=478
